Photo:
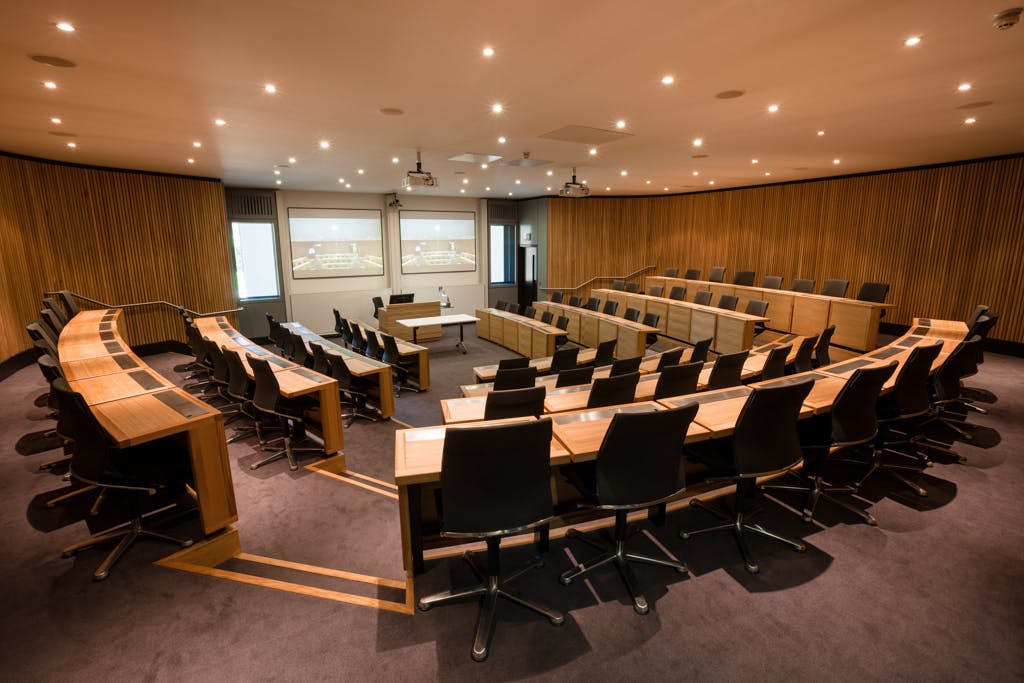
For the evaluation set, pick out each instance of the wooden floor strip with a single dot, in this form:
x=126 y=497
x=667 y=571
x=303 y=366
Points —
x=353 y=482
x=322 y=571
x=398 y=422
x=369 y=478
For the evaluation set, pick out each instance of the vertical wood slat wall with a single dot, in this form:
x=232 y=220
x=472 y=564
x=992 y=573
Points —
x=945 y=238
x=115 y=236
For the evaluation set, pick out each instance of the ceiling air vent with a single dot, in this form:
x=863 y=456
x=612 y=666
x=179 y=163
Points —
x=250 y=203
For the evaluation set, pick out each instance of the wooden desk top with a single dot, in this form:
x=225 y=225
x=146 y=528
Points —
x=753 y=291
x=737 y=315
x=621 y=322
x=583 y=431
x=358 y=364
x=525 y=320
x=450 y=319
x=98 y=366
x=487 y=372
x=119 y=385
x=138 y=419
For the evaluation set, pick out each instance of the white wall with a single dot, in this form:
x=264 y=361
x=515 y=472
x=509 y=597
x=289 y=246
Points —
x=310 y=301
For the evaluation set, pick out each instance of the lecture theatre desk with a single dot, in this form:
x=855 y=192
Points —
x=136 y=405
x=590 y=328
x=419 y=372
x=524 y=335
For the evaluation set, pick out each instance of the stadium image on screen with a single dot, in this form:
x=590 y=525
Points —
x=437 y=241
x=335 y=243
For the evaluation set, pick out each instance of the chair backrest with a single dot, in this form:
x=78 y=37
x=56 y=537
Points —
x=632 y=314
x=358 y=341
x=727 y=370
x=853 y=411
x=835 y=287
x=677 y=294
x=496 y=478
x=220 y=366
x=320 y=362
x=556 y=297
x=38 y=332
x=564 y=359
x=300 y=354
x=873 y=291
x=802 y=362
x=530 y=312
x=670 y=357
x=618 y=285
x=575 y=301
x=195 y=343
x=68 y=299
x=339 y=322
x=510 y=363
x=958 y=364
x=562 y=323
x=655 y=290
x=671 y=272
x=983 y=325
x=651 y=319
x=501 y=305
x=514 y=402
x=728 y=302
x=51 y=322
x=274 y=331
x=610 y=307
x=625 y=365
x=628 y=476
x=911 y=389
x=771 y=282
x=692 y=274
x=288 y=342
x=821 y=348
x=743 y=277
x=378 y=303
x=765 y=438
x=239 y=384
x=90 y=457
x=373 y=348
x=575 y=377
x=593 y=303
x=391 y=353
x=717 y=274
x=546 y=317
x=515 y=378
x=678 y=380
x=632 y=287
x=51 y=304
x=757 y=307
x=979 y=311
x=803 y=286
x=775 y=364
x=700 y=349
x=702 y=297
x=613 y=391
x=340 y=371
x=49 y=367
x=268 y=391
x=605 y=353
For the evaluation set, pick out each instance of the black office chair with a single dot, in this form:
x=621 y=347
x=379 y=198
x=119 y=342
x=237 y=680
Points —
x=610 y=307
x=671 y=272
x=401 y=366
x=45 y=321
x=68 y=299
x=547 y=317
x=593 y=303
x=670 y=357
x=875 y=292
x=821 y=354
x=775 y=364
x=618 y=285
x=802 y=286
x=771 y=282
x=947 y=391
x=692 y=274
x=632 y=314
x=717 y=274
x=574 y=377
x=744 y=278
x=515 y=402
x=378 y=303
x=289 y=413
x=53 y=320
x=700 y=350
x=575 y=301
x=613 y=391
x=979 y=310
x=563 y=324
x=342 y=329
x=515 y=378
x=501 y=305
x=625 y=366
x=95 y=461
x=373 y=349
x=835 y=288
x=655 y=290
x=727 y=370
x=358 y=340
x=632 y=287
x=605 y=354
x=530 y=312
x=564 y=359
x=273 y=329
x=44 y=340
x=624 y=478
x=352 y=390
x=495 y=481
x=804 y=359
x=760 y=309
x=728 y=302
x=220 y=378
x=512 y=363
x=904 y=409
x=241 y=389
x=677 y=294
x=678 y=380
x=556 y=297
x=320 y=362
x=853 y=426
x=702 y=297
x=651 y=320
x=765 y=441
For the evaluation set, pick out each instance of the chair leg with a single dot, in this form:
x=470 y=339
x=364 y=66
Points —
x=816 y=490
x=128 y=536
x=53 y=463
x=54 y=502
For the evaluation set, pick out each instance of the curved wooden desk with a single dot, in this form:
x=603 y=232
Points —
x=527 y=336
x=418 y=373
x=590 y=328
x=135 y=405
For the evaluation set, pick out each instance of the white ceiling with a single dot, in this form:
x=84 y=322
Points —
x=151 y=78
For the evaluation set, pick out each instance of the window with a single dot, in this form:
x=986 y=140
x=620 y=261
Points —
x=335 y=242
x=255 y=260
x=437 y=241
x=503 y=254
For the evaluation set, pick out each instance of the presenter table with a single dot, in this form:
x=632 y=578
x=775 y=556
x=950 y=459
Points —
x=459 y=319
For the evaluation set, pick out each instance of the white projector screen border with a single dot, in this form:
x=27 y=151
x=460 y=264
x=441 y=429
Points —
x=358 y=251
x=437 y=241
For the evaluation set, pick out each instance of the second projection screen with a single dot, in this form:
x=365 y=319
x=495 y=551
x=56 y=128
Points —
x=438 y=241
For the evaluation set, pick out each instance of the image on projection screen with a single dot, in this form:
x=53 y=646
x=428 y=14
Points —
x=437 y=241
x=335 y=243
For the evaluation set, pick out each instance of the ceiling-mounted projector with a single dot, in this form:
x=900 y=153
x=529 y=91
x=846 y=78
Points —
x=574 y=189
x=418 y=178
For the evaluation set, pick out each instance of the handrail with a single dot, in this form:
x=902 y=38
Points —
x=176 y=307
x=599 y=277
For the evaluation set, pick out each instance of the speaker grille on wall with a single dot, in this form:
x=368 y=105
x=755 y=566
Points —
x=501 y=210
x=250 y=203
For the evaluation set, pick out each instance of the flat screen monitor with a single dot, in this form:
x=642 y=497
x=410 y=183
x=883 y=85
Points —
x=400 y=298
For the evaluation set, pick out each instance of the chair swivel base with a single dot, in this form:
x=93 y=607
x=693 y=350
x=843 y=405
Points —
x=739 y=524
x=287 y=452
x=489 y=590
x=128 y=536
x=616 y=552
x=877 y=464
x=817 y=489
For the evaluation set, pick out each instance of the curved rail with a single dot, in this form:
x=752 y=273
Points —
x=599 y=277
x=176 y=307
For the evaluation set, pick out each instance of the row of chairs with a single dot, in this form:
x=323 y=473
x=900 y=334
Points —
x=376 y=345
x=869 y=291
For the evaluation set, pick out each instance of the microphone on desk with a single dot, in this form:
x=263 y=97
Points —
x=446 y=301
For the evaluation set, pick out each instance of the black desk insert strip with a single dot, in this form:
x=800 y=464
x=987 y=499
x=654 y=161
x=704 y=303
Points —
x=181 y=405
x=107 y=336
x=125 y=361
x=309 y=374
x=909 y=342
x=887 y=353
x=850 y=366
x=106 y=326
x=113 y=347
x=145 y=380
x=715 y=398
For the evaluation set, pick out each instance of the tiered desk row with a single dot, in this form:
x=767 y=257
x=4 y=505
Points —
x=590 y=328
x=135 y=405
x=578 y=434
x=420 y=372
x=524 y=335
x=856 y=321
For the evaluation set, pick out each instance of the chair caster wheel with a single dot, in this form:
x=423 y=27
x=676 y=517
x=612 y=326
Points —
x=423 y=608
x=565 y=580
x=683 y=535
x=800 y=548
x=293 y=468
x=641 y=607
x=753 y=568
x=187 y=543
x=557 y=621
x=99 y=576
x=806 y=517
x=683 y=570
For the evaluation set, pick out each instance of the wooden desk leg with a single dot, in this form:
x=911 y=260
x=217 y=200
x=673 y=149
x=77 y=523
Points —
x=656 y=514
x=411 y=518
x=330 y=418
x=212 y=471
x=541 y=538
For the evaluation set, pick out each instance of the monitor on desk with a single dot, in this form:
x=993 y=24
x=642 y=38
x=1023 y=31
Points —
x=401 y=298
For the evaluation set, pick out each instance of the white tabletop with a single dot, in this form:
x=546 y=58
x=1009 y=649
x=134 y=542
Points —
x=455 y=319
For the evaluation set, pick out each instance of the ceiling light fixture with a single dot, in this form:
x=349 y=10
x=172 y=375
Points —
x=72 y=145
x=970 y=120
x=509 y=194
x=912 y=41
x=465 y=181
x=65 y=26
x=620 y=124
x=291 y=160
x=772 y=108
x=668 y=80
x=348 y=186
x=487 y=189
x=191 y=160
x=551 y=173
x=648 y=182
x=49 y=85
x=820 y=133
x=278 y=182
x=696 y=173
x=360 y=171
x=664 y=189
x=324 y=144
x=270 y=88
x=220 y=122
x=767 y=172
x=341 y=180
x=197 y=144
x=964 y=87
x=549 y=188
x=276 y=172
x=463 y=191
x=607 y=189
x=501 y=140
x=55 y=120
x=394 y=160
x=483 y=166
x=623 y=172
x=697 y=142
x=488 y=52
x=497 y=108
x=754 y=161
x=835 y=161
x=593 y=151
x=518 y=181
x=711 y=182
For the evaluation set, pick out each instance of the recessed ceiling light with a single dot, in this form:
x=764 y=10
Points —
x=970 y=120
x=465 y=181
x=607 y=189
x=55 y=120
x=912 y=41
x=549 y=188
x=191 y=160
x=623 y=172
x=341 y=180
x=697 y=142
x=324 y=144
x=270 y=88
x=277 y=172
x=394 y=160
x=220 y=122
x=348 y=186
x=197 y=144
x=518 y=181
x=767 y=172
x=696 y=173
x=773 y=108
x=49 y=85
x=483 y=166
x=278 y=182
x=501 y=140
x=711 y=182
x=584 y=182
x=835 y=161
x=593 y=151
x=820 y=133
x=648 y=182
x=291 y=160
x=66 y=27
x=509 y=194
x=753 y=161
x=497 y=108
x=487 y=189
x=360 y=171
x=964 y=87
x=488 y=52
x=72 y=144
x=668 y=80
x=620 y=124
x=664 y=189
x=551 y=173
